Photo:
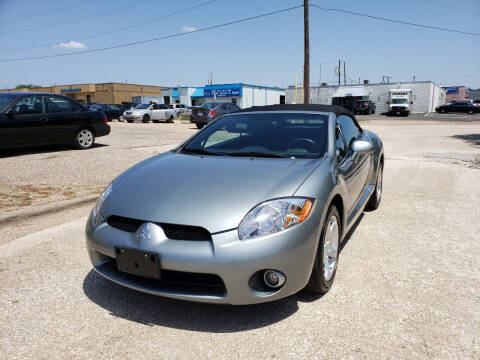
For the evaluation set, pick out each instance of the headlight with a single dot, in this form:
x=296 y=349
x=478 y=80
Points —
x=274 y=216
x=97 y=216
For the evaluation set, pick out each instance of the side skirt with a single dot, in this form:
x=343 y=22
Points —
x=357 y=211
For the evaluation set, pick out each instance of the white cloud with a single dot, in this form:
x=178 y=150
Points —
x=188 y=28
x=71 y=45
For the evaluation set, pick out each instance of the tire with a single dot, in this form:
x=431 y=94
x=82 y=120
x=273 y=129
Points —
x=130 y=121
x=376 y=197
x=84 y=139
x=443 y=111
x=199 y=126
x=321 y=280
x=470 y=112
x=170 y=120
x=146 y=119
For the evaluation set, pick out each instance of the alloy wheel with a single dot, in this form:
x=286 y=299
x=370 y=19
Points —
x=85 y=138
x=330 y=248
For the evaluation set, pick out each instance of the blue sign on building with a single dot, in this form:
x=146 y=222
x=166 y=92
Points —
x=230 y=90
x=452 y=89
x=70 y=90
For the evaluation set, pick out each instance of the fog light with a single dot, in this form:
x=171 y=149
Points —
x=273 y=278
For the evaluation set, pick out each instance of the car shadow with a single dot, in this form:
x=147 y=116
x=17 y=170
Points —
x=154 y=310
x=42 y=149
x=473 y=139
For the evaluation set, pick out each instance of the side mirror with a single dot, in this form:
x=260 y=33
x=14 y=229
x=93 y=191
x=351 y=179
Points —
x=362 y=146
x=411 y=102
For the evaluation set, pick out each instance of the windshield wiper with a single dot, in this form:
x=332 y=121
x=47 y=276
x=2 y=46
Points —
x=259 y=154
x=201 y=151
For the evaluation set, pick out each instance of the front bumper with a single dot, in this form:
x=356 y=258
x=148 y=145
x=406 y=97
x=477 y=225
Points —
x=237 y=263
x=132 y=117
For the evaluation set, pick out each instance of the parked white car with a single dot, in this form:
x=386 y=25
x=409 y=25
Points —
x=179 y=109
x=147 y=112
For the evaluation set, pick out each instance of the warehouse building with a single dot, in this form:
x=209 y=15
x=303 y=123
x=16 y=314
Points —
x=244 y=95
x=426 y=95
x=111 y=93
x=455 y=93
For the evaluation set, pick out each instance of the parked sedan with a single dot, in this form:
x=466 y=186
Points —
x=43 y=118
x=207 y=112
x=364 y=107
x=112 y=111
x=458 y=107
x=251 y=209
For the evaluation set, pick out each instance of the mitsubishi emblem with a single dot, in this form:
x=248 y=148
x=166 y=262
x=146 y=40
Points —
x=143 y=233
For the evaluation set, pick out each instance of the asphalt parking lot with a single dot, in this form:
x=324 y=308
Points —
x=407 y=286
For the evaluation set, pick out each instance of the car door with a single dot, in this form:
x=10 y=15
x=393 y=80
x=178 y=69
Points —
x=353 y=167
x=24 y=122
x=116 y=111
x=64 y=118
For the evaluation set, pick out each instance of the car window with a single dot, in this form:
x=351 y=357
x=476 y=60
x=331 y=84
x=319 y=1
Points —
x=59 y=104
x=163 y=106
x=340 y=143
x=349 y=129
x=277 y=134
x=115 y=107
x=29 y=105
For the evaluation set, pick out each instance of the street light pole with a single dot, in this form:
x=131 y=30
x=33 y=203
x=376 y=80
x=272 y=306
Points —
x=306 y=65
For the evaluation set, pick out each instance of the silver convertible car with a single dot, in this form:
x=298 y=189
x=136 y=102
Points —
x=251 y=209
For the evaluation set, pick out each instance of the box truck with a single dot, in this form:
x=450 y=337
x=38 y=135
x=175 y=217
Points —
x=399 y=101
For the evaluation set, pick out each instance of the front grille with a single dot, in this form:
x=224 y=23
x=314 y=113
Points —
x=123 y=223
x=172 y=231
x=184 y=232
x=398 y=108
x=172 y=281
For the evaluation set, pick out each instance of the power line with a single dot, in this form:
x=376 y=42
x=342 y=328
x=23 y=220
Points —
x=396 y=21
x=49 y=11
x=157 y=38
x=113 y=31
x=76 y=19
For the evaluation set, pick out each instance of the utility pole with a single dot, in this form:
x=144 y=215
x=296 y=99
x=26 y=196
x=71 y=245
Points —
x=306 y=66
x=339 y=71
x=344 y=75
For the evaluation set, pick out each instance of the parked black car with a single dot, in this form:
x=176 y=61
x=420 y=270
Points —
x=459 y=107
x=364 y=107
x=207 y=112
x=112 y=111
x=128 y=105
x=42 y=118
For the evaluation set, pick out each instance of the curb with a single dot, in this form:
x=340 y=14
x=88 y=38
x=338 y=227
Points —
x=40 y=210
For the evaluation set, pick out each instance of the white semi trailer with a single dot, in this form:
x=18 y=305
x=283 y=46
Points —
x=399 y=101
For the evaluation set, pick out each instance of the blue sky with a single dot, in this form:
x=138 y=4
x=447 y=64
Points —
x=267 y=51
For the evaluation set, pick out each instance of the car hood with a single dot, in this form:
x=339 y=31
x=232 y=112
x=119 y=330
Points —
x=208 y=191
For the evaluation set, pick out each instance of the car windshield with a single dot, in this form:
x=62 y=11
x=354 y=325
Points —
x=302 y=135
x=142 y=106
x=209 y=105
x=6 y=99
x=399 y=101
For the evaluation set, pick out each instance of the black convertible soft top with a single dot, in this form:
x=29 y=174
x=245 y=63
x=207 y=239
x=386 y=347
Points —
x=337 y=110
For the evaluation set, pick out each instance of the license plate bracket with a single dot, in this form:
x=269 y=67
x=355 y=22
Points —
x=138 y=262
